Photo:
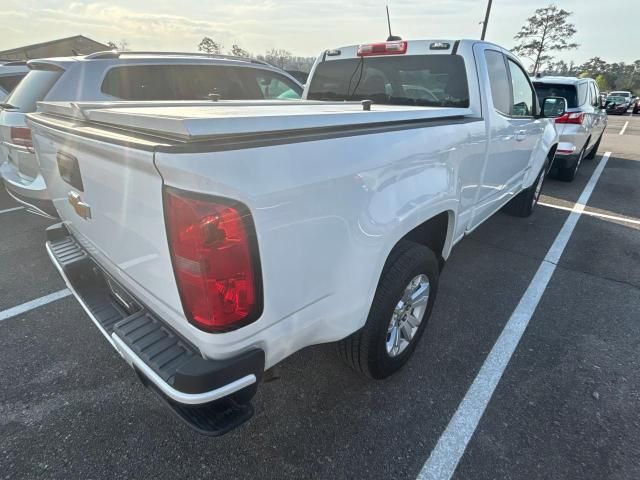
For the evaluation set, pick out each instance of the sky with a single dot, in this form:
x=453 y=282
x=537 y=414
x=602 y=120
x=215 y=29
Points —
x=306 y=27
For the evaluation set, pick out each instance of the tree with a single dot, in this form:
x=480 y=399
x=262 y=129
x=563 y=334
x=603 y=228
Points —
x=545 y=32
x=595 y=66
x=278 y=57
x=603 y=83
x=236 y=51
x=207 y=45
x=122 y=45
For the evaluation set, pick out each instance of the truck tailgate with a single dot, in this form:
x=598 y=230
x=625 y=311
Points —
x=110 y=198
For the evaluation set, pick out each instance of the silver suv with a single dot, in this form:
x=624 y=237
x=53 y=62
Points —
x=581 y=128
x=131 y=76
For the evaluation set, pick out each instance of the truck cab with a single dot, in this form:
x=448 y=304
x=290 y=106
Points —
x=480 y=76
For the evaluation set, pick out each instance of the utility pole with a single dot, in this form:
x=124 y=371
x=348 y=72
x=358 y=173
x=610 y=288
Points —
x=486 y=20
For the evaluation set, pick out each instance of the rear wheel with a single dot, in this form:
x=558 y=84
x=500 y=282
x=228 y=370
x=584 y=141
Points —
x=636 y=109
x=401 y=307
x=523 y=204
x=567 y=174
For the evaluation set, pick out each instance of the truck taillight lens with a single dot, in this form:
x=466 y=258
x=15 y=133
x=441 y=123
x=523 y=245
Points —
x=215 y=260
x=386 y=48
x=572 y=118
x=21 y=136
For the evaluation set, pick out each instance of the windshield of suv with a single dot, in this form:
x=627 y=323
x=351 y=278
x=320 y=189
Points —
x=568 y=92
x=197 y=82
x=32 y=89
x=424 y=80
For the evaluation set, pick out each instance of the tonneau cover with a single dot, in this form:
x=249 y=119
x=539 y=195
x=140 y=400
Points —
x=200 y=120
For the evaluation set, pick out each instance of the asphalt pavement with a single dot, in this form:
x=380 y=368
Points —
x=566 y=406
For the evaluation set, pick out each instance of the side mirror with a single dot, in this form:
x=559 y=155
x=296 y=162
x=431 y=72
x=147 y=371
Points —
x=553 y=107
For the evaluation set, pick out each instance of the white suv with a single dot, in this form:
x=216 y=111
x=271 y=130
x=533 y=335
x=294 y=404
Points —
x=131 y=76
x=581 y=128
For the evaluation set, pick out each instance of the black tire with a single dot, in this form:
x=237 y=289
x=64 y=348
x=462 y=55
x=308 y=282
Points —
x=594 y=150
x=365 y=351
x=568 y=174
x=636 y=109
x=523 y=204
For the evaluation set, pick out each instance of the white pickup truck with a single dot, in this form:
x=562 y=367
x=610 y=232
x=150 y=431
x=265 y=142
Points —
x=209 y=241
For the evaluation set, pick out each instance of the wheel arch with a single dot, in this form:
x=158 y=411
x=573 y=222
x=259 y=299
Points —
x=435 y=233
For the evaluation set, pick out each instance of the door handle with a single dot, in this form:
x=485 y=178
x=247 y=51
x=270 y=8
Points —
x=521 y=135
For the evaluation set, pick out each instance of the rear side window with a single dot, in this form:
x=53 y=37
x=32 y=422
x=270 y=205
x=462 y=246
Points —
x=32 y=89
x=9 y=82
x=567 y=92
x=192 y=82
x=583 y=93
x=422 y=80
x=499 y=81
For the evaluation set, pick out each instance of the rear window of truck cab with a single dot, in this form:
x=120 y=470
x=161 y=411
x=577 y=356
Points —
x=197 y=82
x=417 y=80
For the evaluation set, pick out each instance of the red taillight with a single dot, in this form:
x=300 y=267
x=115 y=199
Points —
x=573 y=118
x=387 y=48
x=214 y=256
x=21 y=136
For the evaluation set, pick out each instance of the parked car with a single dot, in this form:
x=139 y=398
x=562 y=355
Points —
x=636 y=106
x=110 y=76
x=617 y=105
x=10 y=75
x=209 y=242
x=581 y=127
x=622 y=93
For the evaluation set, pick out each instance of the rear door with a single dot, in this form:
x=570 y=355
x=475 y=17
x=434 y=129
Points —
x=512 y=130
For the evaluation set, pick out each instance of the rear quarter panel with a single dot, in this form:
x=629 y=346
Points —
x=327 y=214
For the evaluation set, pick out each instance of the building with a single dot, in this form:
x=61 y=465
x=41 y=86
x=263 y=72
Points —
x=64 y=47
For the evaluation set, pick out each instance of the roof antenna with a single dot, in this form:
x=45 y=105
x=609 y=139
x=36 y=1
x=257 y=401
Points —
x=391 y=37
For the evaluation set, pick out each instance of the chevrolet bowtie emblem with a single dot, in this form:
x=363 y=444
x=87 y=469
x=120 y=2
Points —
x=81 y=208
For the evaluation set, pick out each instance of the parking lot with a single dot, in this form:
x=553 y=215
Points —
x=565 y=406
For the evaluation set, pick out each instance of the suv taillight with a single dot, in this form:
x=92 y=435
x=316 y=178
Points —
x=215 y=260
x=21 y=136
x=573 y=118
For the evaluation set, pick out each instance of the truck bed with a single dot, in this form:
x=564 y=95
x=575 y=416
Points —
x=194 y=121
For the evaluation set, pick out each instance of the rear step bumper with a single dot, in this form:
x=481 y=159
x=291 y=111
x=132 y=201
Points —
x=210 y=395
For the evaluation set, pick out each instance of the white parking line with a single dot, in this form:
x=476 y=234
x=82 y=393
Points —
x=624 y=128
x=444 y=458
x=593 y=214
x=11 y=209
x=38 y=302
